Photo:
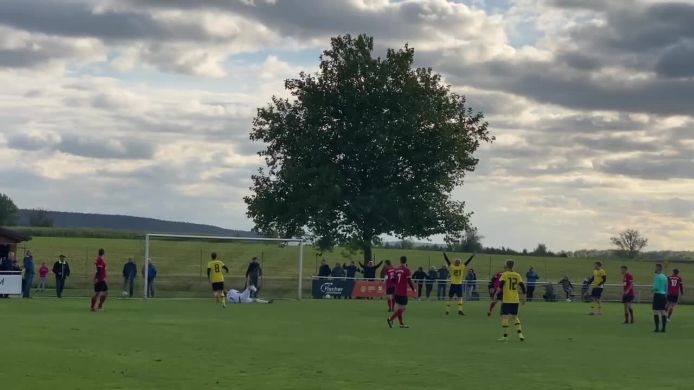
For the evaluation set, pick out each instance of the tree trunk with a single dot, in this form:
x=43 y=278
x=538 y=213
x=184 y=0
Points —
x=366 y=248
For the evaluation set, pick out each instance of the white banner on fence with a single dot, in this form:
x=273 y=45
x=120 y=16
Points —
x=11 y=284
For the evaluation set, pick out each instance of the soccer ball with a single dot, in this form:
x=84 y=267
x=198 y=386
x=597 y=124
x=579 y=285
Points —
x=328 y=296
x=125 y=293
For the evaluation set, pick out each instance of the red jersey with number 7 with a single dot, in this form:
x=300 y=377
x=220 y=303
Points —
x=389 y=272
x=674 y=285
x=402 y=280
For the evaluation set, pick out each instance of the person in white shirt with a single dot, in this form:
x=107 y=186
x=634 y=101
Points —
x=236 y=296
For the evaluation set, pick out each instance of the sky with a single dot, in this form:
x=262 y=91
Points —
x=143 y=107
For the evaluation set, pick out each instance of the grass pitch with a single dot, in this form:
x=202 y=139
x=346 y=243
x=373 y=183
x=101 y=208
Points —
x=195 y=344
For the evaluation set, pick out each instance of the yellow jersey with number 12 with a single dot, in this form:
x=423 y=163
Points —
x=512 y=281
x=216 y=268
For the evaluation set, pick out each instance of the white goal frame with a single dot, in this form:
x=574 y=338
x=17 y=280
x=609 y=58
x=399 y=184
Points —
x=228 y=238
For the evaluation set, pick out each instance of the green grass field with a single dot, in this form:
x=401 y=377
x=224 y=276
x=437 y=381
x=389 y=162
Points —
x=195 y=344
x=182 y=264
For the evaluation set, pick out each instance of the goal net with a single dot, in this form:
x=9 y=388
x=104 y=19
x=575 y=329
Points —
x=175 y=266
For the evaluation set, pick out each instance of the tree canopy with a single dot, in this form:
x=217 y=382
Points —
x=630 y=242
x=8 y=211
x=367 y=146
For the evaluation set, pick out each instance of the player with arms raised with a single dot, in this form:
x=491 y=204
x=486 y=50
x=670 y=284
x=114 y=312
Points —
x=675 y=288
x=216 y=277
x=403 y=279
x=389 y=275
x=100 y=286
x=457 y=270
x=511 y=282
x=628 y=295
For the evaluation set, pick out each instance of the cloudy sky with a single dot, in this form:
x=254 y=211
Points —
x=143 y=107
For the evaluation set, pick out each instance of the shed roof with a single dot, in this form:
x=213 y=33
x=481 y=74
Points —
x=12 y=236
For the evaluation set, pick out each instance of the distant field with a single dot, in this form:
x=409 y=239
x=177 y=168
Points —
x=135 y=344
x=182 y=264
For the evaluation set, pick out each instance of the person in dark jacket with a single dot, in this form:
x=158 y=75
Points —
x=151 y=276
x=470 y=283
x=370 y=269
x=351 y=270
x=441 y=284
x=324 y=270
x=431 y=279
x=61 y=269
x=254 y=276
x=531 y=277
x=338 y=271
x=419 y=277
x=129 y=274
x=28 y=274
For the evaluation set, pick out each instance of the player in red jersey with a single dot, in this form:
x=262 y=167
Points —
x=675 y=288
x=495 y=293
x=389 y=274
x=628 y=295
x=100 y=286
x=402 y=281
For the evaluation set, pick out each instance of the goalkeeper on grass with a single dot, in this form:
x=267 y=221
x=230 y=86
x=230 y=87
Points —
x=236 y=296
x=511 y=282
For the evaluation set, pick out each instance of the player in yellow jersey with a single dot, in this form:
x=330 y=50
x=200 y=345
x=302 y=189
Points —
x=511 y=283
x=216 y=277
x=457 y=272
x=597 y=282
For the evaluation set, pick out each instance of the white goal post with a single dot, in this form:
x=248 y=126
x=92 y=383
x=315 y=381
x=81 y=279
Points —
x=203 y=237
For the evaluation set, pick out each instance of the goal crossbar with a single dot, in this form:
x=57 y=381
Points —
x=300 y=241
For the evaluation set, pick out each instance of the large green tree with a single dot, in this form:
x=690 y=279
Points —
x=366 y=146
x=8 y=211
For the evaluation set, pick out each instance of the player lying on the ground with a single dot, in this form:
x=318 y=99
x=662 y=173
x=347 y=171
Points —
x=236 y=296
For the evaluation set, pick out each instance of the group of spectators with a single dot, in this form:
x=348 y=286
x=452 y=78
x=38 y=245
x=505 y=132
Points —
x=28 y=268
x=425 y=280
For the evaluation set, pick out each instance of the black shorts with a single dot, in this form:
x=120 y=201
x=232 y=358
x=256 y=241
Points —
x=456 y=290
x=673 y=298
x=659 y=301
x=390 y=290
x=509 y=309
x=627 y=298
x=218 y=286
x=100 y=286
x=596 y=292
x=401 y=300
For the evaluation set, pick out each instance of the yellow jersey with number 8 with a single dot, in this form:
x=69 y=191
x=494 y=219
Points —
x=216 y=268
x=512 y=281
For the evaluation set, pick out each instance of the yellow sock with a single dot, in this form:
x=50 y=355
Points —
x=504 y=326
x=519 y=328
x=460 y=305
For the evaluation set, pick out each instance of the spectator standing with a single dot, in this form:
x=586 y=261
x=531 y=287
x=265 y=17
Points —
x=431 y=279
x=254 y=275
x=324 y=270
x=351 y=270
x=61 y=269
x=470 y=282
x=28 y=274
x=549 y=295
x=441 y=284
x=531 y=277
x=338 y=271
x=129 y=274
x=43 y=274
x=567 y=287
x=151 y=276
x=419 y=277
x=370 y=269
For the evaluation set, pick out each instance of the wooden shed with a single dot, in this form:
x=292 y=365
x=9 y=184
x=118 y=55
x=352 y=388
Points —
x=9 y=240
